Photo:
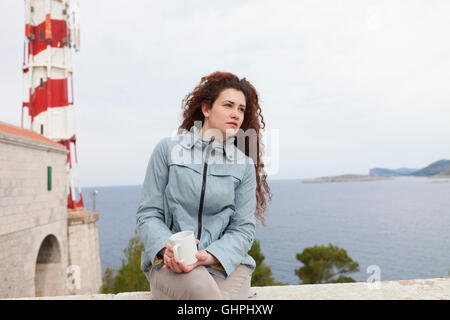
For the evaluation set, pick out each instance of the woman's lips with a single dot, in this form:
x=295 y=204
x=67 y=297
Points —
x=233 y=124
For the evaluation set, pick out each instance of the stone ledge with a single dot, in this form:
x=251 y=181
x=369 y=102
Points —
x=81 y=216
x=420 y=289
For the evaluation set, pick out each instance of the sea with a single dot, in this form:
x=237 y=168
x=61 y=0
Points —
x=395 y=229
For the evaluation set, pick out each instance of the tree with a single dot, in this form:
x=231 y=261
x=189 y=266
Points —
x=262 y=275
x=129 y=277
x=322 y=263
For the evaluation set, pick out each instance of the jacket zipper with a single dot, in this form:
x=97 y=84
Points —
x=202 y=196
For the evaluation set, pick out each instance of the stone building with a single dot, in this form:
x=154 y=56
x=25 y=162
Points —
x=45 y=249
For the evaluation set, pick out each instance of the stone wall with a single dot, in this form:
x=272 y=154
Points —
x=418 y=289
x=84 y=257
x=29 y=213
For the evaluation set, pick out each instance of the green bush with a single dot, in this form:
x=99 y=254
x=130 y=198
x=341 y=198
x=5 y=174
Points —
x=322 y=263
x=262 y=275
x=129 y=277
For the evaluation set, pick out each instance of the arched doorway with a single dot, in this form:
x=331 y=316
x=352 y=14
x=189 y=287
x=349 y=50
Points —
x=49 y=277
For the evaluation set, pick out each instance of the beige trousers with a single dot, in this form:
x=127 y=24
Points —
x=199 y=284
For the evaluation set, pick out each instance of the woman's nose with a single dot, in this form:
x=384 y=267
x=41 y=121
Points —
x=235 y=114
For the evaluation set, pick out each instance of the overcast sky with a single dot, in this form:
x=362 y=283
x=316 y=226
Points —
x=345 y=85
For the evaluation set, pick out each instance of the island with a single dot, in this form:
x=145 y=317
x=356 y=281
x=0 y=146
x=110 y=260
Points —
x=346 y=178
x=439 y=169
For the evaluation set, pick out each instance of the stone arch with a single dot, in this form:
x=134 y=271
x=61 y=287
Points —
x=49 y=276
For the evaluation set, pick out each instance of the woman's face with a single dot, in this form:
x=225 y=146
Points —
x=227 y=112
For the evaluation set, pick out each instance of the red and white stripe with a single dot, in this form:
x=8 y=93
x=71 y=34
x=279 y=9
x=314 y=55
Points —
x=51 y=31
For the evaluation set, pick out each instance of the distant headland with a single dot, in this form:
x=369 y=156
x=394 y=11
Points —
x=438 y=169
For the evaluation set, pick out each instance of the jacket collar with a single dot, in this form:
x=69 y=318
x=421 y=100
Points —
x=193 y=137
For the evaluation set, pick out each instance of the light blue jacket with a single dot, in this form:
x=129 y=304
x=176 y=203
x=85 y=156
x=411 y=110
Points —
x=171 y=200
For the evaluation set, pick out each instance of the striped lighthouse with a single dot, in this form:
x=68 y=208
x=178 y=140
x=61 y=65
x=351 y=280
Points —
x=51 y=32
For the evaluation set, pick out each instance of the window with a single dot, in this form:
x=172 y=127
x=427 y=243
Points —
x=49 y=178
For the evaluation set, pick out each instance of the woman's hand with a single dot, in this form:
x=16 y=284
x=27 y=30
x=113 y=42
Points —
x=204 y=258
x=169 y=260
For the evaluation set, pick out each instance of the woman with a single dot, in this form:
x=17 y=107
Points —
x=209 y=179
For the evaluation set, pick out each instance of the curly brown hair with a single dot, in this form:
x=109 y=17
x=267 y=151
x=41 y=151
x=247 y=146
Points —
x=207 y=92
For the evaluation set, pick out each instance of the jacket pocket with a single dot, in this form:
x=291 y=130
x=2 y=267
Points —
x=225 y=226
x=222 y=183
x=198 y=168
x=226 y=171
x=171 y=223
x=183 y=193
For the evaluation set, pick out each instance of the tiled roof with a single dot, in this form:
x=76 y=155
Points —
x=13 y=130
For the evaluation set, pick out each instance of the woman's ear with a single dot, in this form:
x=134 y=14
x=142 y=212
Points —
x=205 y=109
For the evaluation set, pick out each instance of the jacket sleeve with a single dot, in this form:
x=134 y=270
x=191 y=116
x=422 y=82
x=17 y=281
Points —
x=239 y=235
x=150 y=221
